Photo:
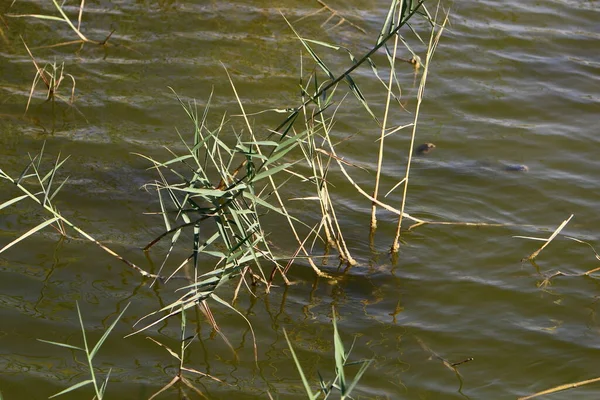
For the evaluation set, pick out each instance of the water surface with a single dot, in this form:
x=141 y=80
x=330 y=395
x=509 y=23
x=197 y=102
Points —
x=511 y=83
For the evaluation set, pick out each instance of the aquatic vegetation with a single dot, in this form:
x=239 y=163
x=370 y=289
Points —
x=220 y=187
x=185 y=341
x=340 y=383
x=219 y=190
x=52 y=75
x=99 y=386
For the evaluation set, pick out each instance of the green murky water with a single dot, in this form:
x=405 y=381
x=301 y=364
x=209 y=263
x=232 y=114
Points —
x=514 y=83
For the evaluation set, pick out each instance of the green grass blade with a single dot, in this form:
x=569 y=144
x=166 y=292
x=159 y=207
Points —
x=37 y=16
x=107 y=332
x=68 y=346
x=358 y=94
x=358 y=376
x=285 y=146
x=12 y=201
x=325 y=387
x=56 y=167
x=24 y=174
x=58 y=189
x=105 y=384
x=269 y=172
x=340 y=356
x=85 y=345
x=71 y=388
x=29 y=233
x=267 y=205
x=312 y=53
x=262 y=143
x=68 y=21
x=309 y=392
x=324 y=44
x=51 y=176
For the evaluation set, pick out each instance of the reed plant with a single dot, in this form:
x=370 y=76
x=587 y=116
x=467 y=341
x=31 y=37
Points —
x=203 y=191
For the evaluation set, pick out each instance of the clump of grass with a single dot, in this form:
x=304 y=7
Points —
x=315 y=151
x=203 y=191
x=52 y=75
x=99 y=386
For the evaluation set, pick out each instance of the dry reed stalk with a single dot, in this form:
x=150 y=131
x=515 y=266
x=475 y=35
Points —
x=368 y=196
x=383 y=127
x=459 y=223
x=533 y=255
x=324 y=197
x=278 y=197
x=561 y=388
x=434 y=39
x=319 y=174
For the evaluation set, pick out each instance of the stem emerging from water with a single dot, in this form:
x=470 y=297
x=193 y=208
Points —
x=433 y=42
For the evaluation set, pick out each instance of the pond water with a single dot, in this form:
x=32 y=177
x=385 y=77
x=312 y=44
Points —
x=510 y=83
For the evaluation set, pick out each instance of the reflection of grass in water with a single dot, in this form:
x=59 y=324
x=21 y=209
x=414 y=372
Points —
x=12 y=133
x=180 y=376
